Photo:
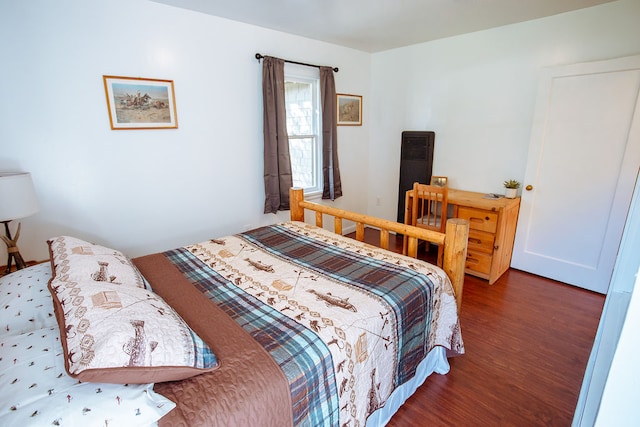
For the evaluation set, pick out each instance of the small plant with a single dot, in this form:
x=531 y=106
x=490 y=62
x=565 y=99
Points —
x=512 y=183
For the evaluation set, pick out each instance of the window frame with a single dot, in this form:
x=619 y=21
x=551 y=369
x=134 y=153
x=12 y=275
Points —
x=309 y=75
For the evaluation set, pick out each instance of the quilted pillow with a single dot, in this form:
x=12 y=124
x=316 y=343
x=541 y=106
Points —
x=77 y=260
x=115 y=331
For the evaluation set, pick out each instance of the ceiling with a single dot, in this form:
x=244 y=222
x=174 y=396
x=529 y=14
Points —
x=377 y=25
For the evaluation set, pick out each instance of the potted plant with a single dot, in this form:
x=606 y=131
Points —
x=511 y=188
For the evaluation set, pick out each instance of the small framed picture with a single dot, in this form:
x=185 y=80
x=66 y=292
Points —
x=138 y=103
x=349 y=110
x=440 y=181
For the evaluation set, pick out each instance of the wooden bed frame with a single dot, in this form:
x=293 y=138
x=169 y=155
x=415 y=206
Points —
x=454 y=238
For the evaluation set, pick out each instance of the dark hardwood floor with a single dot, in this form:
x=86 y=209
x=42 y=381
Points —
x=3 y=268
x=527 y=342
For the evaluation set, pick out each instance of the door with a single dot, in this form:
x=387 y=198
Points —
x=583 y=159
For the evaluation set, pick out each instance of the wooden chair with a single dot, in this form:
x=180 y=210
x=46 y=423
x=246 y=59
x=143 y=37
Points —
x=429 y=209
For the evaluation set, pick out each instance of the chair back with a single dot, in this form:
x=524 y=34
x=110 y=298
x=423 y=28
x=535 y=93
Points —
x=429 y=209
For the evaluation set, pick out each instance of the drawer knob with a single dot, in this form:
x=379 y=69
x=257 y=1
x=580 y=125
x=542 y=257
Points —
x=529 y=187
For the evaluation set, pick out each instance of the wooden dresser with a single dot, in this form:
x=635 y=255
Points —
x=492 y=230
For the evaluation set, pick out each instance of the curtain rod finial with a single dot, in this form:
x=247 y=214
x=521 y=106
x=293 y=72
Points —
x=259 y=57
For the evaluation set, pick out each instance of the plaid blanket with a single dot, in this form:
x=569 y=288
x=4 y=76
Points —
x=408 y=293
x=304 y=358
x=346 y=322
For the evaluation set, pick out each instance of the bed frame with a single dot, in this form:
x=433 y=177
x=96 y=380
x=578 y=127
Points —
x=454 y=238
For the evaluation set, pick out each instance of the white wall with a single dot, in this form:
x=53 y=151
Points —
x=617 y=336
x=619 y=405
x=147 y=190
x=477 y=92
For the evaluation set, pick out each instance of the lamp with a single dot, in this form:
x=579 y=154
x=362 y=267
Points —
x=17 y=200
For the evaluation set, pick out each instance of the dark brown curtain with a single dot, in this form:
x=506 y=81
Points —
x=332 y=186
x=277 y=162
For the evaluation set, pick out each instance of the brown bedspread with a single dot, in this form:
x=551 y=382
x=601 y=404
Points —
x=248 y=389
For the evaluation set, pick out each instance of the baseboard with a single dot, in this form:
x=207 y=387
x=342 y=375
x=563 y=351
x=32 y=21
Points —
x=350 y=229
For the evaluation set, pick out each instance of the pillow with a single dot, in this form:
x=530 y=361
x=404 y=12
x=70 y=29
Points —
x=119 y=332
x=35 y=390
x=25 y=301
x=77 y=260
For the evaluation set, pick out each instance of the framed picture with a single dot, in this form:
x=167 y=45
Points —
x=440 y=181
x=137 y=103
x=349 y=110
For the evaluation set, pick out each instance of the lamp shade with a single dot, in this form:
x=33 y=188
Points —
x=17 y=196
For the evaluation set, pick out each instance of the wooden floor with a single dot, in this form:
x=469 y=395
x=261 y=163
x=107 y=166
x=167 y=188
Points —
x=3 y=268
x=527 y=342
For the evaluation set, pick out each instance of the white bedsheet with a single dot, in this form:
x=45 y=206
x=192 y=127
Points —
x=436 y=361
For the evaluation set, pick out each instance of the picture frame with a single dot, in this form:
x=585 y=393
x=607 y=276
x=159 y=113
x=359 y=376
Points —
x=349 y=109
x=140 y=103
x=440 y=181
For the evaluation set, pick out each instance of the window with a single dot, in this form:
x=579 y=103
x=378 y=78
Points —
x=302 y=99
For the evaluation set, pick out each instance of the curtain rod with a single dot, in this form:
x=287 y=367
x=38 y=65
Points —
x=259 y=57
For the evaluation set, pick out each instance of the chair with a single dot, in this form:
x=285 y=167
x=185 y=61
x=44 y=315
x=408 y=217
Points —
x=429 y=209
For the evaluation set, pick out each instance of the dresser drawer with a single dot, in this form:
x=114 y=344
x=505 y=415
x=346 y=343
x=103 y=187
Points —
x=481 y=241
x=478 y=262
x=479 y=219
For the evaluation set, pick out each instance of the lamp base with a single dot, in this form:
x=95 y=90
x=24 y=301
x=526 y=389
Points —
x=13 y=253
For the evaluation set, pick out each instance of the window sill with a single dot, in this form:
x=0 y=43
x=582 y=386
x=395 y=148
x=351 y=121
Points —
x=313 y=195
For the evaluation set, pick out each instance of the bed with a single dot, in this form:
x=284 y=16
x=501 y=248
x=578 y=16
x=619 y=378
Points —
x=287 y=324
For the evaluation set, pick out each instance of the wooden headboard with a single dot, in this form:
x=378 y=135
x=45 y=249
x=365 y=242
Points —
x=454 y=239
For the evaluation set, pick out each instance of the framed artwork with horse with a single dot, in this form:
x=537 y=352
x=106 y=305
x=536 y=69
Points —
x=139 y=103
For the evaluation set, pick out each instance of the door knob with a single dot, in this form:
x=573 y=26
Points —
x=529 y=187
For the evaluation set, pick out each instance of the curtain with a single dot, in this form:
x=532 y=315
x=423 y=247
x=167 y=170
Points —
x=277 y=162
x=332 y=186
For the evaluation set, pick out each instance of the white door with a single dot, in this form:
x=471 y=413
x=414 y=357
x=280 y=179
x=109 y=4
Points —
x=583 y=160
